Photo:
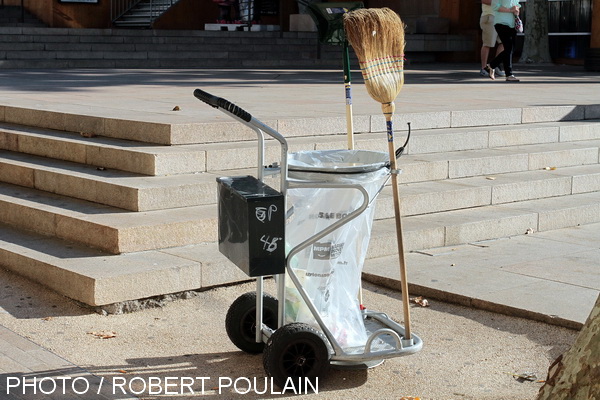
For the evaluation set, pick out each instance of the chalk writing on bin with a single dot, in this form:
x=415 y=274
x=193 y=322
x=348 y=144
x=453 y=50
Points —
x=264 y=214
x=269 y=244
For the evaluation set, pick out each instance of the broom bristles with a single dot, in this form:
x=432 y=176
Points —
x=377 y=37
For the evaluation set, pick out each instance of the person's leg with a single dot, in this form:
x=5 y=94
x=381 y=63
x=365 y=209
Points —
x=488 y=37
x=499 y=70
x=509 y=48
x=485 y=53
x=499 y=49
x=505 y=37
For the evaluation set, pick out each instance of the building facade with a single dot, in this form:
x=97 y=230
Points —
x=573 y=24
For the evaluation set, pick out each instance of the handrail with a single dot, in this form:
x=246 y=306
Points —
x=118 y=8
x=160 y=8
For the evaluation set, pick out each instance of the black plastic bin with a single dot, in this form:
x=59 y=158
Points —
x=251 y=225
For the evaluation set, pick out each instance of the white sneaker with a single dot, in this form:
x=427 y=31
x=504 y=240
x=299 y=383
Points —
x=483 y=72
x=499 y=72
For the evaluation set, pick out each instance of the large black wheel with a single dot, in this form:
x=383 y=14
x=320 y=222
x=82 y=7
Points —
x=297 y=351
x=240 y=321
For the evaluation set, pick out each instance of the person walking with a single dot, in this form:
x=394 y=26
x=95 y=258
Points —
x=505 y=12
x=489 y=37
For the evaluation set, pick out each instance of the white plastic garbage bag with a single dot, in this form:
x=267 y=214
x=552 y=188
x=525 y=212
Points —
x=330 y=269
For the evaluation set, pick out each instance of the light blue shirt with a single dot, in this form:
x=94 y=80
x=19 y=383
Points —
x=504 y=18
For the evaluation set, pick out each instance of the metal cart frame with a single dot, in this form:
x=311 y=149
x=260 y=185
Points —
x=393 y=342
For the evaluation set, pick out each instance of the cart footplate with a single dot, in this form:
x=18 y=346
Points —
x=385 y=340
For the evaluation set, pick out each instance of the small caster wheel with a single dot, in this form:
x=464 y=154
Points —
x=297 y=351
x=240 y=322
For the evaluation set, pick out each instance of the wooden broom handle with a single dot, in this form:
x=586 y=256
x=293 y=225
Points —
x=388 y=111
x=348 y=93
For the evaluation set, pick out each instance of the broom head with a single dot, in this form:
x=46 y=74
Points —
x=377 y=36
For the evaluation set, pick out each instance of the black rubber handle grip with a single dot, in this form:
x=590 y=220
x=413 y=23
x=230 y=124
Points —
x=400 y=150
x=219 y=102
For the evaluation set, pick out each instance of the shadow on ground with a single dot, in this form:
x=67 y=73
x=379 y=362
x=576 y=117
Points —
x=73 y=80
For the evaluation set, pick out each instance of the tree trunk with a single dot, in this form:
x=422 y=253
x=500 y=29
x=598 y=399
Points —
x=535 y=47
x=575 y=375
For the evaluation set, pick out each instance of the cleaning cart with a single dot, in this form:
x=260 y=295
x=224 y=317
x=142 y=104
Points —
x=311 y=233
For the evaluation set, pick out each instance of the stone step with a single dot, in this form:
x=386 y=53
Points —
x=118 y=231
x=536 y=176
x=144 y=193
x=104 y=152
x=99 y=279
x=485 y=222
x=505 y=273
x=161 y=160
x=147 y=131
x=451 y=160
x=420 y=167
x=106 y=228
x=112 y=49
x=67 y=48
x=155 y=35
x=455 y=139
x=463 y=193
x=138 y=41
x=576 y=123
x=519 y=158
x=214 y=49
x=105 y=186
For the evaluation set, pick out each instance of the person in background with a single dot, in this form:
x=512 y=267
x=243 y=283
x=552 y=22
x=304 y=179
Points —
x=489 y=37
x=226 y=16
x=505 y=12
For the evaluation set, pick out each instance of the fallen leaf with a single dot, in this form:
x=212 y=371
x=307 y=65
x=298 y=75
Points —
x=420 y=301
x=529 y=231
x=87 y=134
x=491 y=178
x=103 y=334
x=122 y=371
x=176 y=108
x=47 y=318
x=549 y=168
x=526 y=376
x=101 y=169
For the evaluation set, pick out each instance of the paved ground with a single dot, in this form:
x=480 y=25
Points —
x=468 y=353
x=152 y=94
x=551 y=276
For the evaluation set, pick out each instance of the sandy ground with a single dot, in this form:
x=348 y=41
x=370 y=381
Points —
x=467 y=353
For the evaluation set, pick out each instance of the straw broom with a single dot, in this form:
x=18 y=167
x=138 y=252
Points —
x=377 y=36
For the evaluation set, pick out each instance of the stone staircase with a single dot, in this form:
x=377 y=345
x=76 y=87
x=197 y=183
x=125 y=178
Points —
x=144 y=13
x=106 y=211
x=33 y=47
x=22 y=47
